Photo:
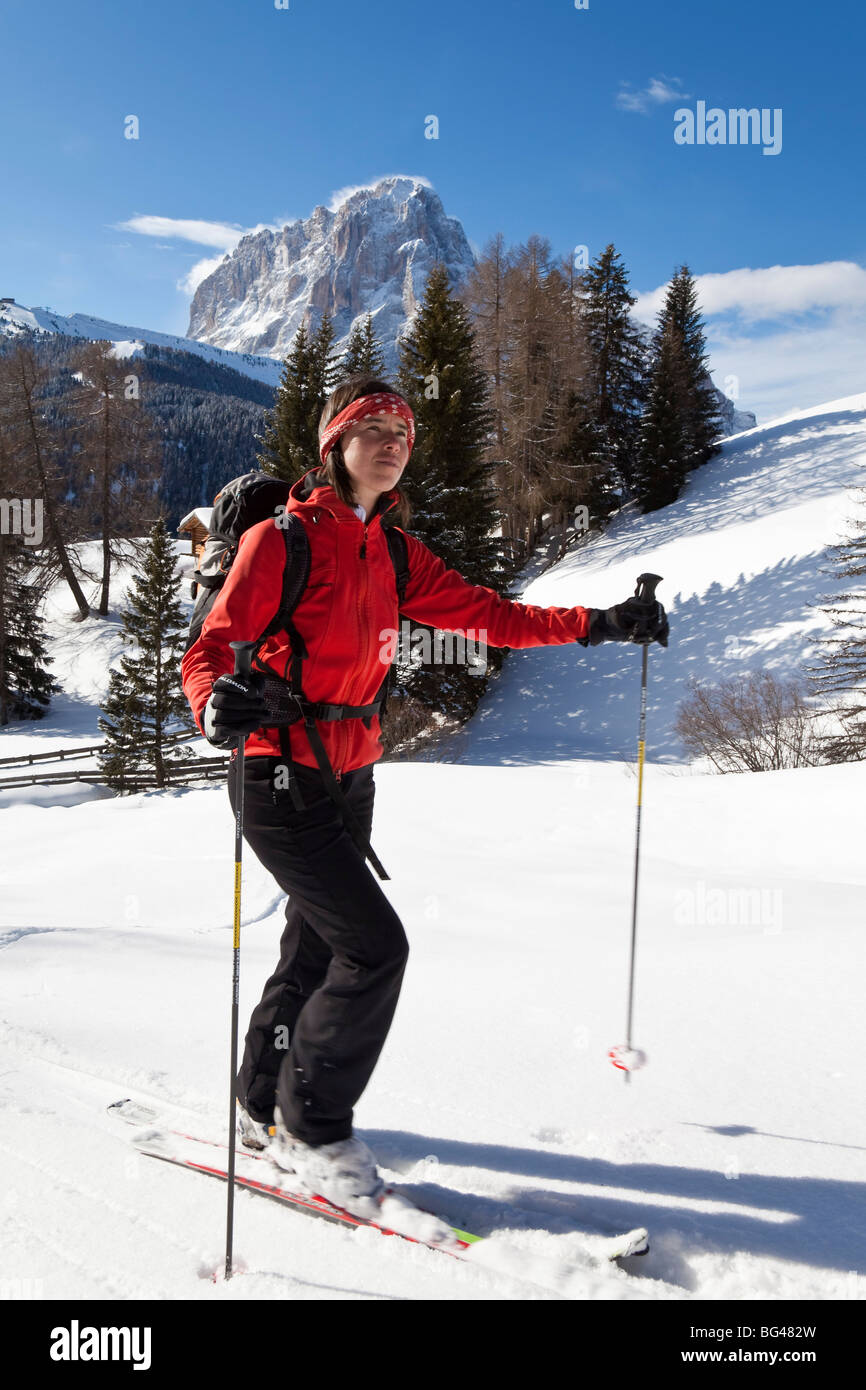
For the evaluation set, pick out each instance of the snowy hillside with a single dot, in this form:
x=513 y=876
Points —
x=739 y=1145
x=741 y=554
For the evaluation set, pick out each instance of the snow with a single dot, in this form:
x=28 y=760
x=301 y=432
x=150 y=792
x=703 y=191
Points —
x=739 y=1143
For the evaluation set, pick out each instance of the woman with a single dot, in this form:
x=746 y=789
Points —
x=316 y=1035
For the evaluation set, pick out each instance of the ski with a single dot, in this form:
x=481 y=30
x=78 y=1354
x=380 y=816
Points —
x=256 y=1173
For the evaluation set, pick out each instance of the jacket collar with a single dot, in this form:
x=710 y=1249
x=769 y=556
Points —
x=312 y=490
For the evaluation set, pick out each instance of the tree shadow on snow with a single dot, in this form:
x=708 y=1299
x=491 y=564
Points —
x=569 y=702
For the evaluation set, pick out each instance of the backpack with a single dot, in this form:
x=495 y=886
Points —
x=242 y=503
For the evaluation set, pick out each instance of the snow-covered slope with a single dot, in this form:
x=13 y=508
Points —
x=739 y=1145
x=743 y=555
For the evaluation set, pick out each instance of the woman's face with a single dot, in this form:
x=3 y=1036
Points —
x=375 y=451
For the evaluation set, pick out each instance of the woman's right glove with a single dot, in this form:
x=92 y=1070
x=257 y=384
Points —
x=235 y=708
x=632 y=621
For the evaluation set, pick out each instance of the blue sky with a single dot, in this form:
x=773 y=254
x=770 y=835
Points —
x=552 y=120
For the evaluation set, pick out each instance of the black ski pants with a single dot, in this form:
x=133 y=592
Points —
x=316 y=1035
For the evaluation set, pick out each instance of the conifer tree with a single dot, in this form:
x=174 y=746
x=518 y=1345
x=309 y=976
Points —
x=145 y=697
x=680 y=423
x=363 y=352
x=700 y=406
x=450 y=486
x=290 y=439
x=324 y=370
x=613 y=382
x=660 y=468
x=26 y=685
x=286 y=447
x=453 y=497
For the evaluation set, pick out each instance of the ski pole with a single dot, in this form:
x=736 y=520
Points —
x=630 y=1059
x=243 y=658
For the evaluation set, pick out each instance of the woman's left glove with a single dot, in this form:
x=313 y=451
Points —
x=632 y=621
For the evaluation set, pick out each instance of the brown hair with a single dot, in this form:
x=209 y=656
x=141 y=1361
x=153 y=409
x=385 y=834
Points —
x=334 y=468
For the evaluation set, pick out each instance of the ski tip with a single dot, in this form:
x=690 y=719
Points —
x=634 y=1242
x=131 y=1110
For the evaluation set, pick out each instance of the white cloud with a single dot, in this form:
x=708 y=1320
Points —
x=189 y=283
x=809 y=346
x=220 y=234
x=659 y=91
x=792 y=367
x=223 y=235
x=769 y=292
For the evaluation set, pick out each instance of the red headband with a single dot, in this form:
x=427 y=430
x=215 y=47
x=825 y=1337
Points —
x=384 y=403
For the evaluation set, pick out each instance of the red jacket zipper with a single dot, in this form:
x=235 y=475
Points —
x=362 y=630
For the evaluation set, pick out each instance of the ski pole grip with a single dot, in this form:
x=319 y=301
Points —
x=243 y=657
x=645 y=591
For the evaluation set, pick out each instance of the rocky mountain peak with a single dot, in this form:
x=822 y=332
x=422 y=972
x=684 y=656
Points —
x=371 y=250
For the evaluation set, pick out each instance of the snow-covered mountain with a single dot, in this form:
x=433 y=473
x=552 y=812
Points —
x=734 y=421
x=17 y=318
x=372 y=254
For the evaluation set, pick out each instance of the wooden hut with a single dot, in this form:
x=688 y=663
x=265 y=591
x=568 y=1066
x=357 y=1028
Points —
x=195 y=525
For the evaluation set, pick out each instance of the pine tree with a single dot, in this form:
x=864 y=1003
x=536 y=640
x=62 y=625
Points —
x=680 y=424
x=454 y=508
x=26 y=685
x=145 y=697
x=290 y=439
x=286 y=447
x=324 y=370
x=842 y=670
x=450 y=486
x=660 y=470
x=700 y=410
x=613 y=389
x=363 y=352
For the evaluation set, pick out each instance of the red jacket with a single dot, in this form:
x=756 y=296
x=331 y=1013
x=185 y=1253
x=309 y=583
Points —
x=349 y=601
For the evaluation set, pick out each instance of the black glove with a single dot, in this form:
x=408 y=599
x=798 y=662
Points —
x=632 y=621
x=235 y=708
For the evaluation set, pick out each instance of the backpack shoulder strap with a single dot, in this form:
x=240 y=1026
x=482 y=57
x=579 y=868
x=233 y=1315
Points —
x=399 y=552
x=296 y=573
